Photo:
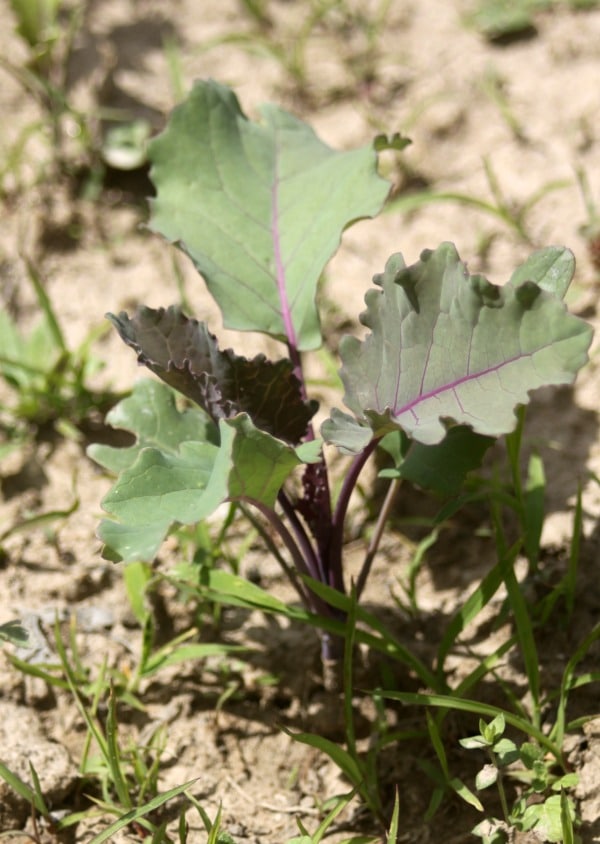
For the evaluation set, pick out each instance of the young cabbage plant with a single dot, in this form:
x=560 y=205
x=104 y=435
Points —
x=260 y=208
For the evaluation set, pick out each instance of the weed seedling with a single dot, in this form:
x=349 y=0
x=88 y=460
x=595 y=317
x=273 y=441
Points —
x=541 y=806
x=591 y=229
x=123 y=776
x=260 y=208
x=49 y=380
x=513 y=213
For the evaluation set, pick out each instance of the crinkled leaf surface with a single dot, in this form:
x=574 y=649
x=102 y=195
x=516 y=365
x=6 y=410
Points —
x=259 y=207
x=186 y=356
x=446 y=346
x=168 y=478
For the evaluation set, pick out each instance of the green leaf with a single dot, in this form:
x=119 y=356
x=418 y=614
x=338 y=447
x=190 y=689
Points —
x=26 y=360
x=443 y=467
x=126 y=543
x=193 y=651
x=160 y=483
x=24 y=790
x=499 y=19
x=15 y=633
x=395 y=142
x=530 y=753
x=338 y=755
x=346 y=432
x=36 y=20
x=140 y=812
x=259 y=207
x=392 y=835
x=546 y=818
x=568 y=781
x=162 y=488
x=474 y=743
x=151 y=413
x=487 y=776
x=449 y=348
x=506 y=751
x=465 y=793
x=551 y=268
x=256 y=463
x=495 y=728
x=158 y=489
x=136 y=576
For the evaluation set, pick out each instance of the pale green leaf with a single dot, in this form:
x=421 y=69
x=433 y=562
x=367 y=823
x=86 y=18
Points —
x=546 y=818
x=446 y=347
x=162 y=488
x=486 y=777
x=260 y=207
x=551 y=268
x=151 y=413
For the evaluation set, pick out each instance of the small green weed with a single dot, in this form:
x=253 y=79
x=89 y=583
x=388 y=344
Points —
x=121 y=778
x=512 y=213
x=542 y=805
x=75 y=140
x=591 y=229
x=41 y=25
x=49 y=381
x=501 y=20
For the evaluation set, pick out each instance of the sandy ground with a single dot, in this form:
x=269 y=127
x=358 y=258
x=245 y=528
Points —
x=529 y=113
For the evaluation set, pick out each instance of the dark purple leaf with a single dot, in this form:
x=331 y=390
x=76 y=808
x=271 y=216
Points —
x=186 y=356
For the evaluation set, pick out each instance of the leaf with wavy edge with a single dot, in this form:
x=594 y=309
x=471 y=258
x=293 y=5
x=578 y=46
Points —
x=151 y=415
x=447 y=347
x=186 y=356
x=165 y=486
x=260 y=207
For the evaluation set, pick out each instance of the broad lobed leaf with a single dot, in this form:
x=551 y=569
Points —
x=151 y=414
x=449 y=348
x=186 y=356
x=260 y=207
x=169 y=477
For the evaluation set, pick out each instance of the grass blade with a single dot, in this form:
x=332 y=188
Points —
x=524 y=634
x=23 y=790
x=140 y=812
x=480 y=709
x=113 y=754
x=392 y=836
x=46 y=306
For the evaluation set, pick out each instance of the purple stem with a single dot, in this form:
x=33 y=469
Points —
x=384 y=514
x=310 y=600
x=312 y=564
x=289 y=570
x=339 y=515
